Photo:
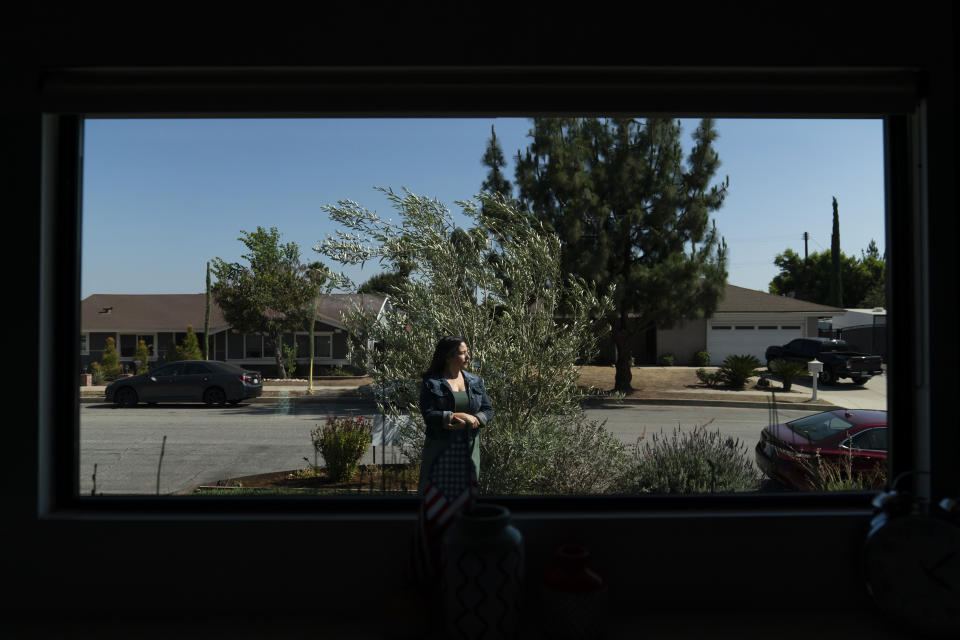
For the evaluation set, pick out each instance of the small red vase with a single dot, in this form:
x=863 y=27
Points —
x=574 y=596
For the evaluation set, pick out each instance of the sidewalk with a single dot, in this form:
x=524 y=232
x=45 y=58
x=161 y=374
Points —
x=270 y=392
x=688 y=397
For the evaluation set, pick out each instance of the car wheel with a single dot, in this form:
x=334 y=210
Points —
x=127 y=397
x=214 y=396
x=827 y=377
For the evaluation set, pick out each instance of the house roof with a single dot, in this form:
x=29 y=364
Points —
x=873 y=311
x=173 y=312
x=740 y=300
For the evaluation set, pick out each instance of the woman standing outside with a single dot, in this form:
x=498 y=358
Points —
x=451 y=399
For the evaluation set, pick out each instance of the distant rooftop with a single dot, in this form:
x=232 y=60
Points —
x=741 y=300
x=173 y=312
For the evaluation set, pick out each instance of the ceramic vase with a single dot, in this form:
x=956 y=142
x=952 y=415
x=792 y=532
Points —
x=573 y=596
x=482 y=566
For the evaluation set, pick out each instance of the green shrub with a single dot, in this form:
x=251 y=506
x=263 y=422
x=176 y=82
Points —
x=143 y=355
x=96 y=371
x=695 y=461
x=333 y=371
x=110 y=361
x=838 y=474
x=342 y=442
x=478 y=282
x=666 y=360
x=290 y=358
x=701 y=359
x=736 y=370
x=189 y=349
x=787 y=371
x=711 y=379
x=551 y=455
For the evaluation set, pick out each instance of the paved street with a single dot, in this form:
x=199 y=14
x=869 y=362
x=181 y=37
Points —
x=629 y=422
x=206 y=444
x=872 y=395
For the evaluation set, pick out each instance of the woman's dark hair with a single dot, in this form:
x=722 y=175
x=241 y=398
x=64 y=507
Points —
x=445 y=348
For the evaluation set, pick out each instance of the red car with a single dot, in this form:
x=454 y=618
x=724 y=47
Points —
x=789 y=453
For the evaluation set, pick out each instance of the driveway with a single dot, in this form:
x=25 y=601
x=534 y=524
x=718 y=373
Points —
x=872 y=395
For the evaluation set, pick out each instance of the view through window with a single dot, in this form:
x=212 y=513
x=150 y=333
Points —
x=733 y=273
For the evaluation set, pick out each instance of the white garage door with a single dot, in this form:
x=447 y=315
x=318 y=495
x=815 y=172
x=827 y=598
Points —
x=735 y=338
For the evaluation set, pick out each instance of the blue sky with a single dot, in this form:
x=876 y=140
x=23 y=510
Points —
x=161 y=197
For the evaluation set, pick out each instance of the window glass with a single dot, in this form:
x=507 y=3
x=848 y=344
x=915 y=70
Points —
x=254 y=345
x=226 y=367
x=322 y=346
x=819 y=426
x=128 y=345
x=223 y=177
x=835 y=345
x=194 y=368
x=169 y=370
x=874 y=439
x=303 y=345
x=235 y=346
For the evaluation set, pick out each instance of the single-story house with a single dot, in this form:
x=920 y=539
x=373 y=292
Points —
x=859 y=318
x=864 y=329
x=161 y=320
x=746 y=322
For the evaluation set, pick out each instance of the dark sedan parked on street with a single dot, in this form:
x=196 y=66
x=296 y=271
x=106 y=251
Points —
x=207 y=381
x=786 y=452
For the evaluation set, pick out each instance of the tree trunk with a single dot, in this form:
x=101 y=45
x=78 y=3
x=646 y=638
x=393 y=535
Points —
x=621 y=338
x=278 y=356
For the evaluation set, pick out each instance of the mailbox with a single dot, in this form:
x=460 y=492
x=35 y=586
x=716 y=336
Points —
x=815 y=367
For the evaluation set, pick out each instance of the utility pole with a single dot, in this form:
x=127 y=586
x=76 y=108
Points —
x=806 y=237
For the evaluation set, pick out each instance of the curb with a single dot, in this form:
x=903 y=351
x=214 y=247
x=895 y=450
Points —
x=696 y=402
x=341 y=395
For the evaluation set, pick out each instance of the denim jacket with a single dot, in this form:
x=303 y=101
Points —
x=437 y=403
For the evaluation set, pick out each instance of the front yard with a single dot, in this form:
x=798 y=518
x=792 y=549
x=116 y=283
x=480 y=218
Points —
x=646 y=380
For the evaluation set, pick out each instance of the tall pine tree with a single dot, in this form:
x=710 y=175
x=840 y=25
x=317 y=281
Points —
x=495 y=162
x=836 y=282
x=633 y=215
x=206 y=319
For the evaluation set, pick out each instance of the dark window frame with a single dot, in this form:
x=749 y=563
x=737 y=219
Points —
x=894 y=94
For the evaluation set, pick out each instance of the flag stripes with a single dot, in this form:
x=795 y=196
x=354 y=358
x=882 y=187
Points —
x=451 y=487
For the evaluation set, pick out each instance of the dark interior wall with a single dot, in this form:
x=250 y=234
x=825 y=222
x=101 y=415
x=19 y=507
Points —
x=687 y=559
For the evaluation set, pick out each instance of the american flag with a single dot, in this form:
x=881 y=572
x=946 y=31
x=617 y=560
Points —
x=451 y=487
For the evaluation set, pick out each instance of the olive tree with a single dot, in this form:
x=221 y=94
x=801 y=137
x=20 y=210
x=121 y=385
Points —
x=498 y=284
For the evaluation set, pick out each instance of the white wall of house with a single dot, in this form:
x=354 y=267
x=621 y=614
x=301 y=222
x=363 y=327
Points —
x=683 y=341
x=743 y=334
x=857 y=317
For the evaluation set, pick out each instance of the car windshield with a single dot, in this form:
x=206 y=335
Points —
x=820 y=425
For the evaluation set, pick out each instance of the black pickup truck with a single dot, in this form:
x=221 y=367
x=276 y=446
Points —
x=837 y=358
